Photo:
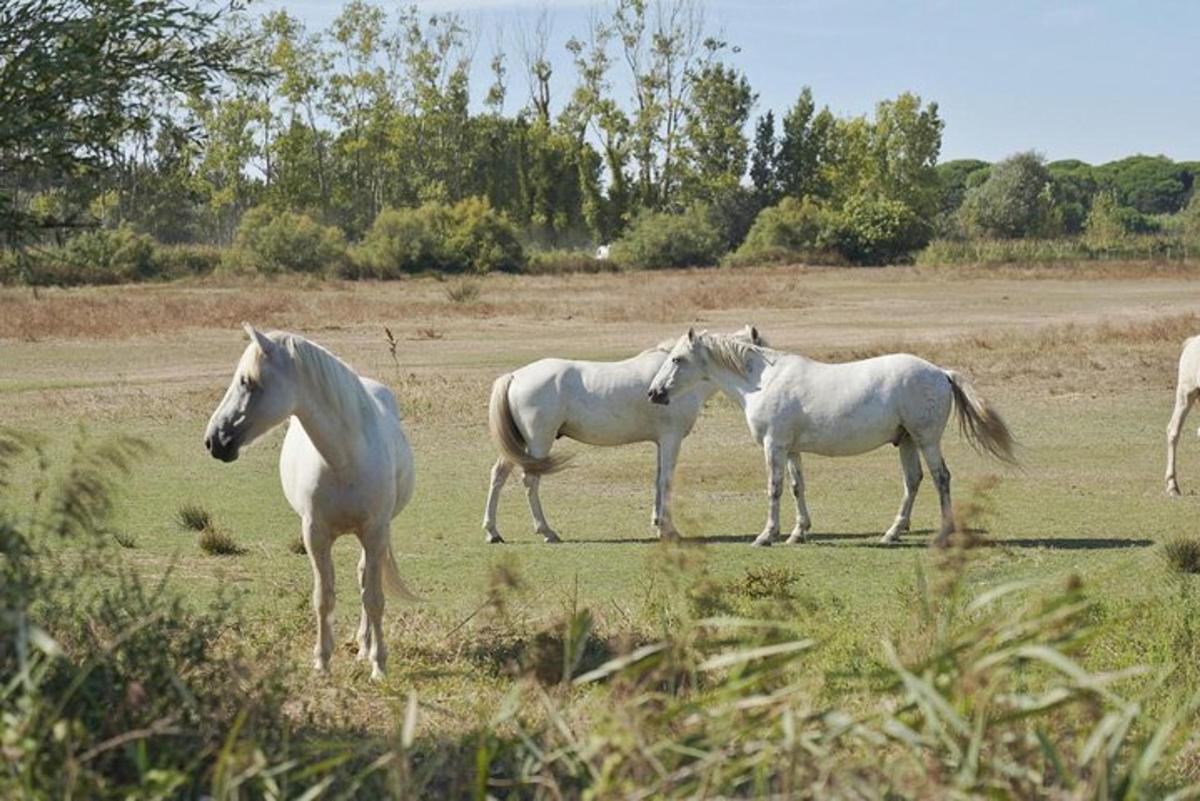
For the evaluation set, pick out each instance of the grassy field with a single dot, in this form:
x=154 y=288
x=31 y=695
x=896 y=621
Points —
x=1082 y=367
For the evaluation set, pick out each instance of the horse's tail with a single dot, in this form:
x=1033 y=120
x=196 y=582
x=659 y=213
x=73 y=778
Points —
x=392 y=581
x=982 y=425
x=508 y=437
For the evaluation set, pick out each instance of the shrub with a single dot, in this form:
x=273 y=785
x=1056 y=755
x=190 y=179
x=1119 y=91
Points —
x=100 y=256
x=469 y=236
x=877 y=231
x=792 y=230
x=181 y=261
x=1015 y=201
x=272 y=241
x=559 y=262
x=660 y=239
x=462 y=291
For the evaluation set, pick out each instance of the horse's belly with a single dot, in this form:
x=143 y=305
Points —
x=848 y=441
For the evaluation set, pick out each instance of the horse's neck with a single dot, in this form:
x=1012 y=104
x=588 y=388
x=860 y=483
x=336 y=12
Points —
x=737 y=387
x=339 y=441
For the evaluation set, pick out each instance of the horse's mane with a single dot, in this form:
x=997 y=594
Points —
x=732 y=352
x=662 y=347
x=334 y=381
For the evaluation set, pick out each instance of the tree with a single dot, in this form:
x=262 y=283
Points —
x=1105 y=226
x=764 y=162
x=77 y=77
x=1073 y=184
x=1015 y=201
x=714 y=131
x=1150 y=184
x=906 y=139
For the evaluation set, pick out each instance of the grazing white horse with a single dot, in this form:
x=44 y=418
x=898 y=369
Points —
x=598 y=403
x=346 y=466
x=1187 y=389
x=795 y=405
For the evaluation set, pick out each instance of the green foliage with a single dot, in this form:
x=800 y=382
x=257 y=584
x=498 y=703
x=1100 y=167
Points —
x=271 y=241
x=792 y=230
x=1015 y=201
x=1058 y=249
x=876 y=231
x=1073 y=185
x=100 y=256
x=955 y=178
x=1150 y=184
x=658 y=239
x=1106 y=225
x=714 y=126
x=77 y=77
x=469 y=236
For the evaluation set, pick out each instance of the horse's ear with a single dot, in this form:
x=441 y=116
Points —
x=264 y=344
x=754 y=337
x=691 y=335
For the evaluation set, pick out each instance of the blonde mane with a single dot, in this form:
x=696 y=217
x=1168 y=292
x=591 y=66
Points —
x=732 y=353
x=335 y=383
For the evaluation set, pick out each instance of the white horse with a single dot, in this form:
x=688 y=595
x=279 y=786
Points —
x=345 y=465
x=1187 y=389
x=794 y=405
x=598 y=403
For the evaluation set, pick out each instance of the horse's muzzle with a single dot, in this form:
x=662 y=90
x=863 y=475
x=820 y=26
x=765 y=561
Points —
x=658 y=396
x=223 y=448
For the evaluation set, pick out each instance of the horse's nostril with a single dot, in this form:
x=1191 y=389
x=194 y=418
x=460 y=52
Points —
x=208 y=444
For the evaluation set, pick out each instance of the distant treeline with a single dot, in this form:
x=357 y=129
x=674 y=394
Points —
x=358 y=150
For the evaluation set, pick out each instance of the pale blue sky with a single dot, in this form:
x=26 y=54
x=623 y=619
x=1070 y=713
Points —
x=1095 y=81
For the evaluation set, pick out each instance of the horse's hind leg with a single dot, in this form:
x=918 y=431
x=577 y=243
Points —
x=374 y=552
x=532 y=482
x=941 y=479
x=319 y=543
x=364 y=624
x=910 y=464
x=775 y=457
x=1183 y=403
x=500 y=472
x=803 y=522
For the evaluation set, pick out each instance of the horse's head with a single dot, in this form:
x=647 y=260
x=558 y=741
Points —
x=261 y=396
x=686 y=366
x=691 y=361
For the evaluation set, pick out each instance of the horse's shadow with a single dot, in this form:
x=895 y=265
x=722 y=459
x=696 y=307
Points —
x=919 y=538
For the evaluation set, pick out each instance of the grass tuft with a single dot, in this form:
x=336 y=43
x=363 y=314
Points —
x=1183 y=554
x=463 y=290
x=215 y=542
x=297 y=547
x=124 y=539
x=194 y=517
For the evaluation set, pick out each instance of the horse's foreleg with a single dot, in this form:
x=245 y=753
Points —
x=941 y=479
x=803 y=522
x=500 y=472
x=319 y=543
x=775 y=457
x=532 y=482
x=374 y=552
x=1183 y=403
x=668 y=453
x=910 y=464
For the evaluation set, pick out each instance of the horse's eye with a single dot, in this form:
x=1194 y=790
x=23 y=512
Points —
x=247 y=383
x=677 y=360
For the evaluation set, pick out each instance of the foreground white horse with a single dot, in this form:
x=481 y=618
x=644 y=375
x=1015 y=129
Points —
x=346 y=466
x=599 y=403
x=795 y=405
x=1187 y=389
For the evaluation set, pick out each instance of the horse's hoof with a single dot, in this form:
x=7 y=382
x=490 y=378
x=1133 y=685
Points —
x=377 y=673
x=889 y=539
x=494 y=538
x=669 y=536
x=797 y=539
x=320 y=666
x=551 y=538
x=759 y=542
x=1172 y=491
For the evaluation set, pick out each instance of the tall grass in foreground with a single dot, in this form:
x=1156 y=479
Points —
x=126 y=692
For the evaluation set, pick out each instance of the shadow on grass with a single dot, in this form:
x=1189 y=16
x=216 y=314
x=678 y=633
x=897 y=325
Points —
x=920 y=538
